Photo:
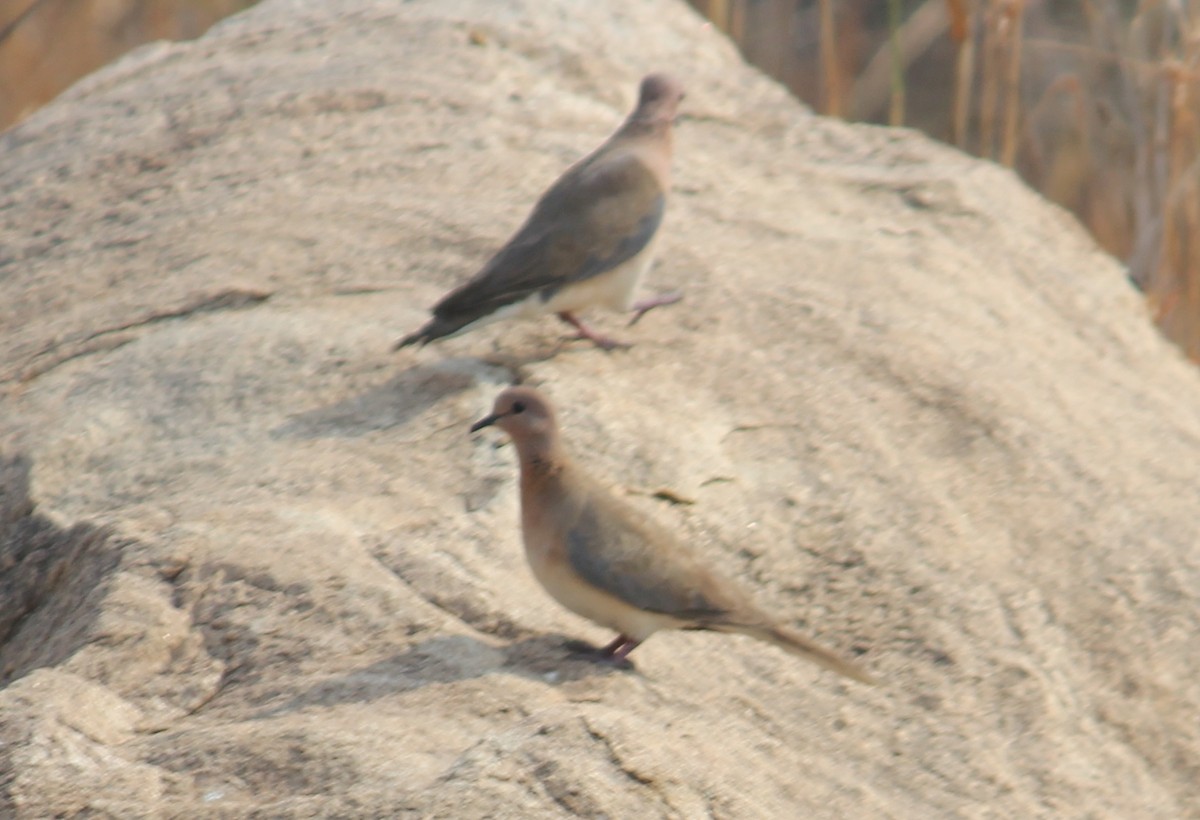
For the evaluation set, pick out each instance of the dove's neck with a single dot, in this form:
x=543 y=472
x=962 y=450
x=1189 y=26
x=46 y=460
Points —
x=656 y=132
x=648 y=140
x=546 y=479
x=542 y=458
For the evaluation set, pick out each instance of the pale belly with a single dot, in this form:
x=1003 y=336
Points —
x=583 y=599
x=613 y=289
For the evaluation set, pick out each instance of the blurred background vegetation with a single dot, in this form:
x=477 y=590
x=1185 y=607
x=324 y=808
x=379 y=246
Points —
x=45 y=45
x=1095 y=103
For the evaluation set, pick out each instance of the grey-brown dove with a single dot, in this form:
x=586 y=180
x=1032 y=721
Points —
x=589 y=239
x=602 y=559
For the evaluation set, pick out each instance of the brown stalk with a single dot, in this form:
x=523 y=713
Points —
x=718 y=12
x=1173 y=239
x=831 y=79
x=1179 y=306
x=960 y=23
x=1015 y=16
x=962 y=29
x=896 y=63
x=1189 y=138
x=876 y=84
x=737 y=22
x=990 y=78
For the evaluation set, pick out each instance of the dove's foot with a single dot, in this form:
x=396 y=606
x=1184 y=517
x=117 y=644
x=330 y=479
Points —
x=614 y=653
x=646 y=305
x=598 y=339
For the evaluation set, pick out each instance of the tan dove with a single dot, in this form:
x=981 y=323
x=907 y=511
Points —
x=589 y=239
x=602 y=559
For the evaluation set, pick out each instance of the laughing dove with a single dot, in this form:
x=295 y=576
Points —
x=604 y=560
x=589 y=239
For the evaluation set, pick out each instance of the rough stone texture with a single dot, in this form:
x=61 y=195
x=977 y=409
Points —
x=254 y=565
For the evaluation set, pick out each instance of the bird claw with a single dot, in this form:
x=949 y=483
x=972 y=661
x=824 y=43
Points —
x=647 y=305
x=597 y=654
x=584 y=332
x=600 y=341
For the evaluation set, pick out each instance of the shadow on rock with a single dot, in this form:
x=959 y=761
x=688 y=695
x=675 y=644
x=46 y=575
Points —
x=446 y=659
x=392 y=404
x=413 y=391
x=51 y=579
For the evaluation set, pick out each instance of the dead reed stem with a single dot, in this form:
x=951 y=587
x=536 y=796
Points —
x=1014 y=14
x=962 y=30
x=831 y=79
x=896 y=107
x=989 y=79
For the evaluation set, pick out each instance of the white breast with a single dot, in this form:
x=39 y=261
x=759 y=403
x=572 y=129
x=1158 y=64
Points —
x=613 y=289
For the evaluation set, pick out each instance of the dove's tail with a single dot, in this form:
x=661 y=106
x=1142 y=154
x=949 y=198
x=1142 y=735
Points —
x=795 y=643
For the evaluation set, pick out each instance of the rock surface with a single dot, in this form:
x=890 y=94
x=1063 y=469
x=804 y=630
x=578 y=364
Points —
x=253 y=564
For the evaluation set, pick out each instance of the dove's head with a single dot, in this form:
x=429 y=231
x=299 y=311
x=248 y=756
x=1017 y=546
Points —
x=658 y=98
x=526 y=415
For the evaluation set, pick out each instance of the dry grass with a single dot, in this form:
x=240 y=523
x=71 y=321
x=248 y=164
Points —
x=1096 y=103
x=45 y=45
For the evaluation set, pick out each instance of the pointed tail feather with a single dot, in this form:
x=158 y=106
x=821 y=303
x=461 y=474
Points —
x=434 y=329
x=421 y=336
x=797 y=644
x=443 y=326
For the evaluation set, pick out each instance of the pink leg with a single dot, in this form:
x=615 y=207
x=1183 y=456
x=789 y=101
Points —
x=585 y=332
x=646 y=305
x=616 y=644
x=615 y=652
x=619 y=656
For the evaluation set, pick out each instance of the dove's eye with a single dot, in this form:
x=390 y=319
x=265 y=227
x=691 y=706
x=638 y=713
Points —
x=518 y=407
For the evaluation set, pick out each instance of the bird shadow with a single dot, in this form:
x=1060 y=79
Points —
x=394 y=403
x=412 y=391
x=449 y=658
